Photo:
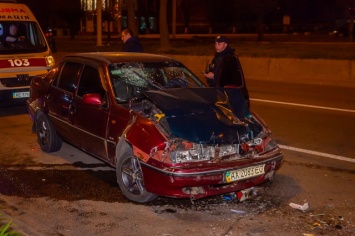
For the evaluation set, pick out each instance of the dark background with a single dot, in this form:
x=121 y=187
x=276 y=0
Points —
x=206 y=16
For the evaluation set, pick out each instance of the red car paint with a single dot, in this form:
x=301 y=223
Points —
x=183 y=142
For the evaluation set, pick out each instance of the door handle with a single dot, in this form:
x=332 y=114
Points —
x=72 y=108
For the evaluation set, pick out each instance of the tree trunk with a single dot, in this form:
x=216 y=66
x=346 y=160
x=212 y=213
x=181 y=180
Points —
x=163 y=25
x=260 y=28
x=351 y=28
x=131 y=17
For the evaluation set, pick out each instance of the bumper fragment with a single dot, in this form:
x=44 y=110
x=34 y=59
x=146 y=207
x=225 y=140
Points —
x=199 y=183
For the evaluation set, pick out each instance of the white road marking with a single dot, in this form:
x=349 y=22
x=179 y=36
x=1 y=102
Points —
x=305 y=150
x=317 y=153
x=303 y=105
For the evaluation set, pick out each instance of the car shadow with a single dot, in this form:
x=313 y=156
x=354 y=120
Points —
x=12 y=110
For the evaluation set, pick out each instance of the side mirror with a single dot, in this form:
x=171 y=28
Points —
x=92 y=99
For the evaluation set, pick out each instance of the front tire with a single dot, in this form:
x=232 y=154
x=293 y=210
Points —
x=130 y=177
x=46 y=135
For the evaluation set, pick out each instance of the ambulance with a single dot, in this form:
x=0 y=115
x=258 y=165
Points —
x=24 y=52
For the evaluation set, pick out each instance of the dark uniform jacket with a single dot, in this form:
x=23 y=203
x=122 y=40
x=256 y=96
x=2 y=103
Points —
x=132 y=45
x=228 y=72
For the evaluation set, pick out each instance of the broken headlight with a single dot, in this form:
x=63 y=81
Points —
x=187 y=151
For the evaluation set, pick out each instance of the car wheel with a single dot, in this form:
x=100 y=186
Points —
x=46 y=135
x=130 y=178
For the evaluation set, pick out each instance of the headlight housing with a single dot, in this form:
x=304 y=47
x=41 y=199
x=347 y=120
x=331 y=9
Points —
x=190 y=152
x=50 y=61
x=182 y=151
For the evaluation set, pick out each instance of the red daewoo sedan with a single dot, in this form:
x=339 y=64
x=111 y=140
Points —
x=156 y=123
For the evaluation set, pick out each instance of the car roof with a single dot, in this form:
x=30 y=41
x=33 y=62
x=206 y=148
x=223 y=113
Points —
x=117 y=57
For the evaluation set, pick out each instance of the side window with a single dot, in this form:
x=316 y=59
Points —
x=68 y=76
x=53 y=75
x=90 y=82
x=50 y=76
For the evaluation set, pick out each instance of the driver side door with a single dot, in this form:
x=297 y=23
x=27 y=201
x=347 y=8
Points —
x=90 y=121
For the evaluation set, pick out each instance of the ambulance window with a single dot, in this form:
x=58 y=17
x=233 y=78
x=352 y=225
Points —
x=21 y=37
x=1 y=35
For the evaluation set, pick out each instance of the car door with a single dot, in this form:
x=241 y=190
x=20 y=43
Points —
x=90 y=121
x=60 y=96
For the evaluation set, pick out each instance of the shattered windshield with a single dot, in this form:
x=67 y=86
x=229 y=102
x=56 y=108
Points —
x=21 y=37
x=130 y=79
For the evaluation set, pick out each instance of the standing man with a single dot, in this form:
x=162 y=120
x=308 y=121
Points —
x=131 y=43
x=225 y=70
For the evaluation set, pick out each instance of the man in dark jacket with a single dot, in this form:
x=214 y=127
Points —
x=225 y=70
x=131 y=43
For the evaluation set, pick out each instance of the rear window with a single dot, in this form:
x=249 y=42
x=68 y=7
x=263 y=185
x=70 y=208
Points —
x=21 y=37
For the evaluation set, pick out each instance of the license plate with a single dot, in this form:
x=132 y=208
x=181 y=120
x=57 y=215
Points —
x=21 y=95
x=244 y=173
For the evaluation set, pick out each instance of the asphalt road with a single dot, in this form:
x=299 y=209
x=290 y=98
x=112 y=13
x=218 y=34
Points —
x=71 y=193
x=315 y=117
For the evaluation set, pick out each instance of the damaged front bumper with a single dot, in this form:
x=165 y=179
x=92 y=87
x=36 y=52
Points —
x=199 y=181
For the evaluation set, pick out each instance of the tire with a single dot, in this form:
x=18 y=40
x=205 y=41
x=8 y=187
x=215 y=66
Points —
x=47 y=138
x=130 y=177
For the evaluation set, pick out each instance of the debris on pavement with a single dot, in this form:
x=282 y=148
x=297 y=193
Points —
x=245 y=194
x=229 y=196
x=237 y=211
x=316 y=224
x=240 y=195
x=303 y=207
x=313 y=215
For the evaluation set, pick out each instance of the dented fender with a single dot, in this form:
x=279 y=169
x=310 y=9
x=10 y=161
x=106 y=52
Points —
x=144 y=138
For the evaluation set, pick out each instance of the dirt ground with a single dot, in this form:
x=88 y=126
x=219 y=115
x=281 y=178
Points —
x=266 y=212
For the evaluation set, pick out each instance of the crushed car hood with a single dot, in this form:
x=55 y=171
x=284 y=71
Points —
x=206 y=115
